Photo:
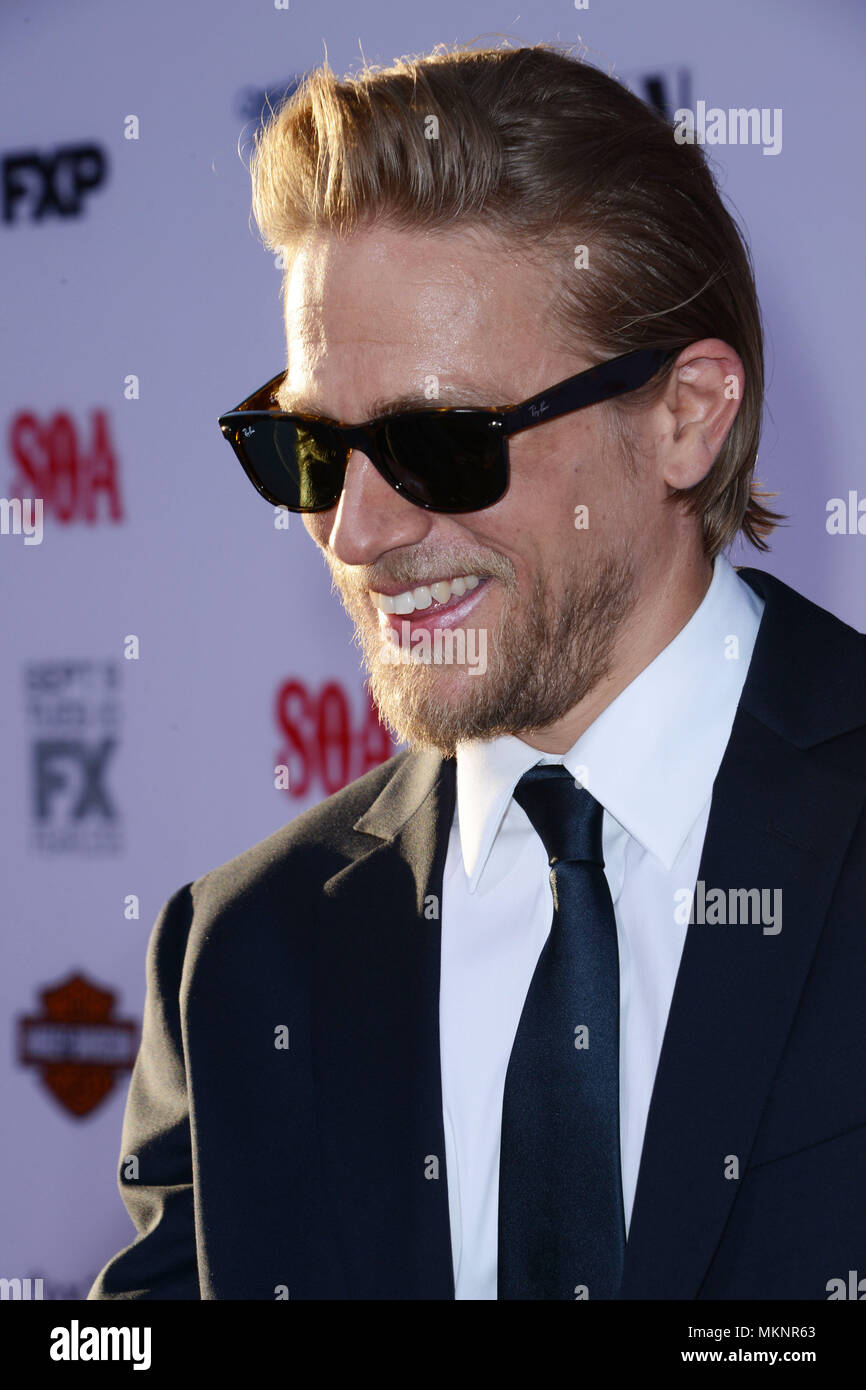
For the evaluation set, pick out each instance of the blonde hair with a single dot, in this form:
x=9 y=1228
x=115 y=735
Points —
x=538 y=147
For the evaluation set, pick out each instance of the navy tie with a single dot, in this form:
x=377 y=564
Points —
x=561 y=1220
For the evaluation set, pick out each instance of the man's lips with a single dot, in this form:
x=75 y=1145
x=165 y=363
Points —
x=450 y=614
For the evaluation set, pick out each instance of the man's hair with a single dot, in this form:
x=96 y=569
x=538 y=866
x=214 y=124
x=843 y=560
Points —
x=538 y=147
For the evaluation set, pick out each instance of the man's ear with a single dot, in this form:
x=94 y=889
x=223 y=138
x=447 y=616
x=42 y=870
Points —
x=700 y=404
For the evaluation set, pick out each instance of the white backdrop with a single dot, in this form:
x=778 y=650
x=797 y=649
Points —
x=136 y=258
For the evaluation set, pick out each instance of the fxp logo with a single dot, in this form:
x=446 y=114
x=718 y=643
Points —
x=51 y=184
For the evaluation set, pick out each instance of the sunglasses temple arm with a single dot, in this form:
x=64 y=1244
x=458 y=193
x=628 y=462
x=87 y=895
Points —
x=599 y=383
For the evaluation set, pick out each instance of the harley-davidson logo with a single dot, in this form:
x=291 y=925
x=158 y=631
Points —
x=78 y=1048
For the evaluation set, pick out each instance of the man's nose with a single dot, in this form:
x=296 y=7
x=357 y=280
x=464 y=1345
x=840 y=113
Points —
x=371 y=517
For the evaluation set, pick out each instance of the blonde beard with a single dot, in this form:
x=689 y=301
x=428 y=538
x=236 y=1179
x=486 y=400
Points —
x=544 y=657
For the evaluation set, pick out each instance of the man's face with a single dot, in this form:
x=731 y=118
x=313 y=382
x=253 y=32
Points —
x=459 y=320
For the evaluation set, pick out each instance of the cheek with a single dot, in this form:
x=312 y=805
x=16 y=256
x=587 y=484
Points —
x=559 y=489
x=557 y=457
x=319 y=525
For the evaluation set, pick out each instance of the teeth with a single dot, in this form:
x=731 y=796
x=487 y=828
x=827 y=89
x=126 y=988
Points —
x=426 y=594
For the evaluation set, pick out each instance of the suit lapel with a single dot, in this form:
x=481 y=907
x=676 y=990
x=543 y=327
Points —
x=376 y=1041
x=781 y=818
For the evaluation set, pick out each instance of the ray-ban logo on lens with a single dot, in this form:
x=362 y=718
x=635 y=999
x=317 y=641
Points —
x=248 y=430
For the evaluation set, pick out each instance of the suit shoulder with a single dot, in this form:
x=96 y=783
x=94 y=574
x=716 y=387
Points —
x=807 y=678
x=790 y=605
x=313 y=846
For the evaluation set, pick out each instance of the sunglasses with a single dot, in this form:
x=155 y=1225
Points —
x=444 y=460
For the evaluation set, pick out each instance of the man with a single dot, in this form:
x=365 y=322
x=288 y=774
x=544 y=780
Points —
x=564 y=1001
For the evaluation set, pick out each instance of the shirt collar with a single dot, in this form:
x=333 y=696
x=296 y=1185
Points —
x=652 y=755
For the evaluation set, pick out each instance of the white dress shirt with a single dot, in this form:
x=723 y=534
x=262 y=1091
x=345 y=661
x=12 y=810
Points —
x=650 y=758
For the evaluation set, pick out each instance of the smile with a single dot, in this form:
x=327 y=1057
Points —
x=440 y=592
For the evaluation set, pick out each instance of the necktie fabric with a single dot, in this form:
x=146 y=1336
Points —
x=561 y=1220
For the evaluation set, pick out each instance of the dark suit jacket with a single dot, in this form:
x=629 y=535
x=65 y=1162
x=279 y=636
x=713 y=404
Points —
x=306 y=1168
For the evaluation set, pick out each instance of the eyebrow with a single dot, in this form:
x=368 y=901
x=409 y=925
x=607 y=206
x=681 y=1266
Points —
x=466 y=395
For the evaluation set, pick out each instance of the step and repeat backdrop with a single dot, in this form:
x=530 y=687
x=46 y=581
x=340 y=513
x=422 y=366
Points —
x=168 y=640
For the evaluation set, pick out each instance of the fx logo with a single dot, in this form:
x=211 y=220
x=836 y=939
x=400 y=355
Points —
x=75 y=771
x=51 y=184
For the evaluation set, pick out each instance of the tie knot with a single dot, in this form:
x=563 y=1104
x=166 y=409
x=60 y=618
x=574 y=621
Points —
x=567 y=817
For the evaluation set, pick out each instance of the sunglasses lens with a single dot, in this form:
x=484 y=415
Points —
x=448 y=462
x=299 y=466
x=451 y=462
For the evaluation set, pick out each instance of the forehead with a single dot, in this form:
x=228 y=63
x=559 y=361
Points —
x=376 y=315
x=395 y=275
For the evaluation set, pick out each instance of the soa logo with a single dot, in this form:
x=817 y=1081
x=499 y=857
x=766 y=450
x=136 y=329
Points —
x=323 y=746
x=74 y=470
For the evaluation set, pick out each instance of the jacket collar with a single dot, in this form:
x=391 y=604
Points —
x=807 y=678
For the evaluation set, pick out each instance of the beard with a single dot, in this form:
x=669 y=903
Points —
x=549 y=649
